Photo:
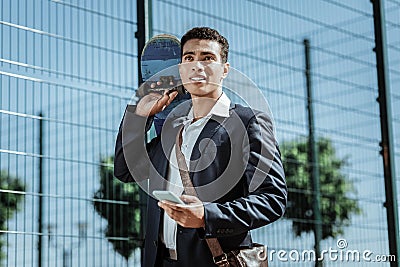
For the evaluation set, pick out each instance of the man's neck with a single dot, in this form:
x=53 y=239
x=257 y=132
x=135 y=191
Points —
x=203 y=105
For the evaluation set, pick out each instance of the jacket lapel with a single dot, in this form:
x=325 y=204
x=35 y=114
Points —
x=208 y=132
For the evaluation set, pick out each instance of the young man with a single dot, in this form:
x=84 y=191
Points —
x=226 y=147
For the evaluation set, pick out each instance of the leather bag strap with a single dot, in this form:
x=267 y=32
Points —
x=220 y=258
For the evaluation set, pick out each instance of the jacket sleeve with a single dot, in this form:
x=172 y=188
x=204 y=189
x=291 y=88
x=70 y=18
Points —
x=264 y=179
x=131 y=151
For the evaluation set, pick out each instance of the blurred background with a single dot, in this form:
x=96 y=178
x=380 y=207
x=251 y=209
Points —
x=68 y=68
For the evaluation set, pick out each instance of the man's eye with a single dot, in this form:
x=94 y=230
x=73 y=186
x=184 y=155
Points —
x=209 y=58
x=188 y=58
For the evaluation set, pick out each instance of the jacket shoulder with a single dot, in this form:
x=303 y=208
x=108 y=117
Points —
x=244 y=113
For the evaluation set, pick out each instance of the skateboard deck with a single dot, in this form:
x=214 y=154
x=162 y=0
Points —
x=159 y=68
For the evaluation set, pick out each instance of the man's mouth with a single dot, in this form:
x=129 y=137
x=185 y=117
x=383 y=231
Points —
x=198 y=79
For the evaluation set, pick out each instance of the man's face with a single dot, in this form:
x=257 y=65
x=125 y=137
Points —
x=202 y=70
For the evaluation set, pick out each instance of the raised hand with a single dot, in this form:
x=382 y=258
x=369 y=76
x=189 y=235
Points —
x=153 y=103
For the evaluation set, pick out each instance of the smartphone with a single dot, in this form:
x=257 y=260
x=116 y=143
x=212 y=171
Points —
x=168 y=195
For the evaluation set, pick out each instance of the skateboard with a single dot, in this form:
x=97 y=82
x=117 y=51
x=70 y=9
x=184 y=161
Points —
x=159 y=68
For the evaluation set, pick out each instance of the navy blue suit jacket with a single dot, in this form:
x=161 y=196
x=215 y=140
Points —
x=235 y=167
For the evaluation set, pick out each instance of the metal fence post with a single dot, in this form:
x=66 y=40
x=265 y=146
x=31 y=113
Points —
x=144 y=27
x=387 y=149
x=313 y=156
x=40 y=221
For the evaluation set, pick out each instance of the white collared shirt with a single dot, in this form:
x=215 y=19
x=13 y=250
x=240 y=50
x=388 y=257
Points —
x=190 y=133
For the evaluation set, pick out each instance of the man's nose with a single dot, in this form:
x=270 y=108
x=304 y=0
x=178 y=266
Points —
x=197 y=66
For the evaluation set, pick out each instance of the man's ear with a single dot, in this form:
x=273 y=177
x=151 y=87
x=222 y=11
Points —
x=226 y=70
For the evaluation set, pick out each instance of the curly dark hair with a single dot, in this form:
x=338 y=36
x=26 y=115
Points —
x=207 y=33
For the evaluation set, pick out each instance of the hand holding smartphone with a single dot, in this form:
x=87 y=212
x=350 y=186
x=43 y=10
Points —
x=168 y=195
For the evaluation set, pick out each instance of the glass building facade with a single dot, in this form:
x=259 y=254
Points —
x=68 y=69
